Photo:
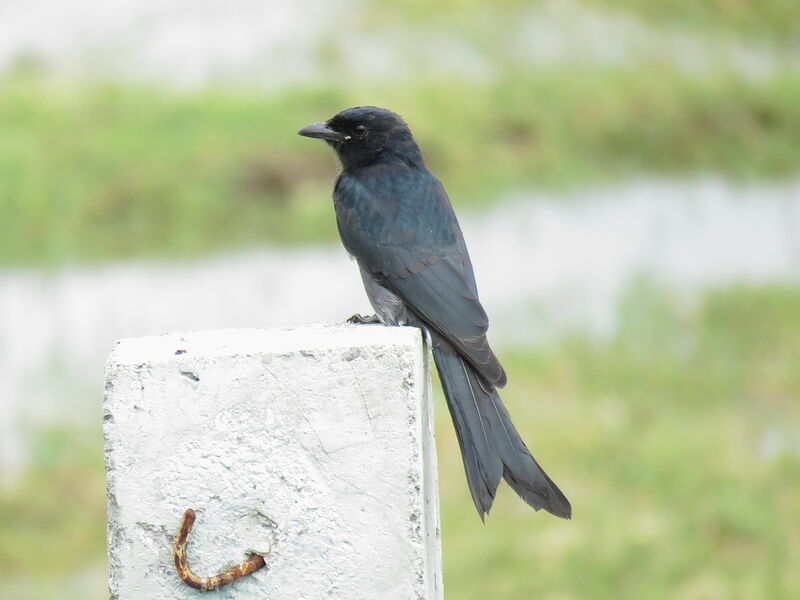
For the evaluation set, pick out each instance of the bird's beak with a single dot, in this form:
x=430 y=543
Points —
x=321 y=131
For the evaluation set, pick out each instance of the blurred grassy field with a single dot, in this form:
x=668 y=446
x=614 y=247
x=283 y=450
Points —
x=678 y=445
x=776 y=21
x=770 y=20
x=98 y=172
x=676 y=441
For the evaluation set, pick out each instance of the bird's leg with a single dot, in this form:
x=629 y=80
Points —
x=361 y=320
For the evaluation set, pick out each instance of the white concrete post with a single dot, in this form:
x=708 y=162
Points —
x=311 y=446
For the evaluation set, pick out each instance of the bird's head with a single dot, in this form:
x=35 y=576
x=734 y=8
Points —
x=364 y=135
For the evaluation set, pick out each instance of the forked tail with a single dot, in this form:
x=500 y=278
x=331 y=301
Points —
x=491 y=448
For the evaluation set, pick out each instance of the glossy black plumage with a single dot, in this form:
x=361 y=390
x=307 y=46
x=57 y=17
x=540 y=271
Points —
x=395 y=218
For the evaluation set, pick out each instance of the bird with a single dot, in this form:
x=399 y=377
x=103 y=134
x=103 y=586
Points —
x=396 y=220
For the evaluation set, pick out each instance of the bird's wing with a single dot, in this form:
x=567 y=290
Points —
x=438 y=291
x=415 y=248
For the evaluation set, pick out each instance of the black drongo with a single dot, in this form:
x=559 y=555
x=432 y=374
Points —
x=396 y=220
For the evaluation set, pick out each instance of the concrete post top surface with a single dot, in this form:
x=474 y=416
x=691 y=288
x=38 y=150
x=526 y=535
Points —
x=222 y=342
x=312 y=446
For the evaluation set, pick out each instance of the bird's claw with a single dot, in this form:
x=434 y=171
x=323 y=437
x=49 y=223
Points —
x=361 y=320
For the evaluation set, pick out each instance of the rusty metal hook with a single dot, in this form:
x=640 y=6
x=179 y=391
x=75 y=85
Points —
x=250 y=565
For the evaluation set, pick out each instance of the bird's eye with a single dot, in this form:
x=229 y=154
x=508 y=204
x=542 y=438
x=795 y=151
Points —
x=359 y=129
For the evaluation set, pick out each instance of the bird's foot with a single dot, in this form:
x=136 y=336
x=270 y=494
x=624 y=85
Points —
x=361 y=320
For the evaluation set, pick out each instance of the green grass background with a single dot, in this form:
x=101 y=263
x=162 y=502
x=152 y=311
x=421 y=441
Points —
x=94 y=172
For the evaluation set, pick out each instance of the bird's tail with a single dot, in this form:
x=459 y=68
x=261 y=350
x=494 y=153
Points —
x=490 y=445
